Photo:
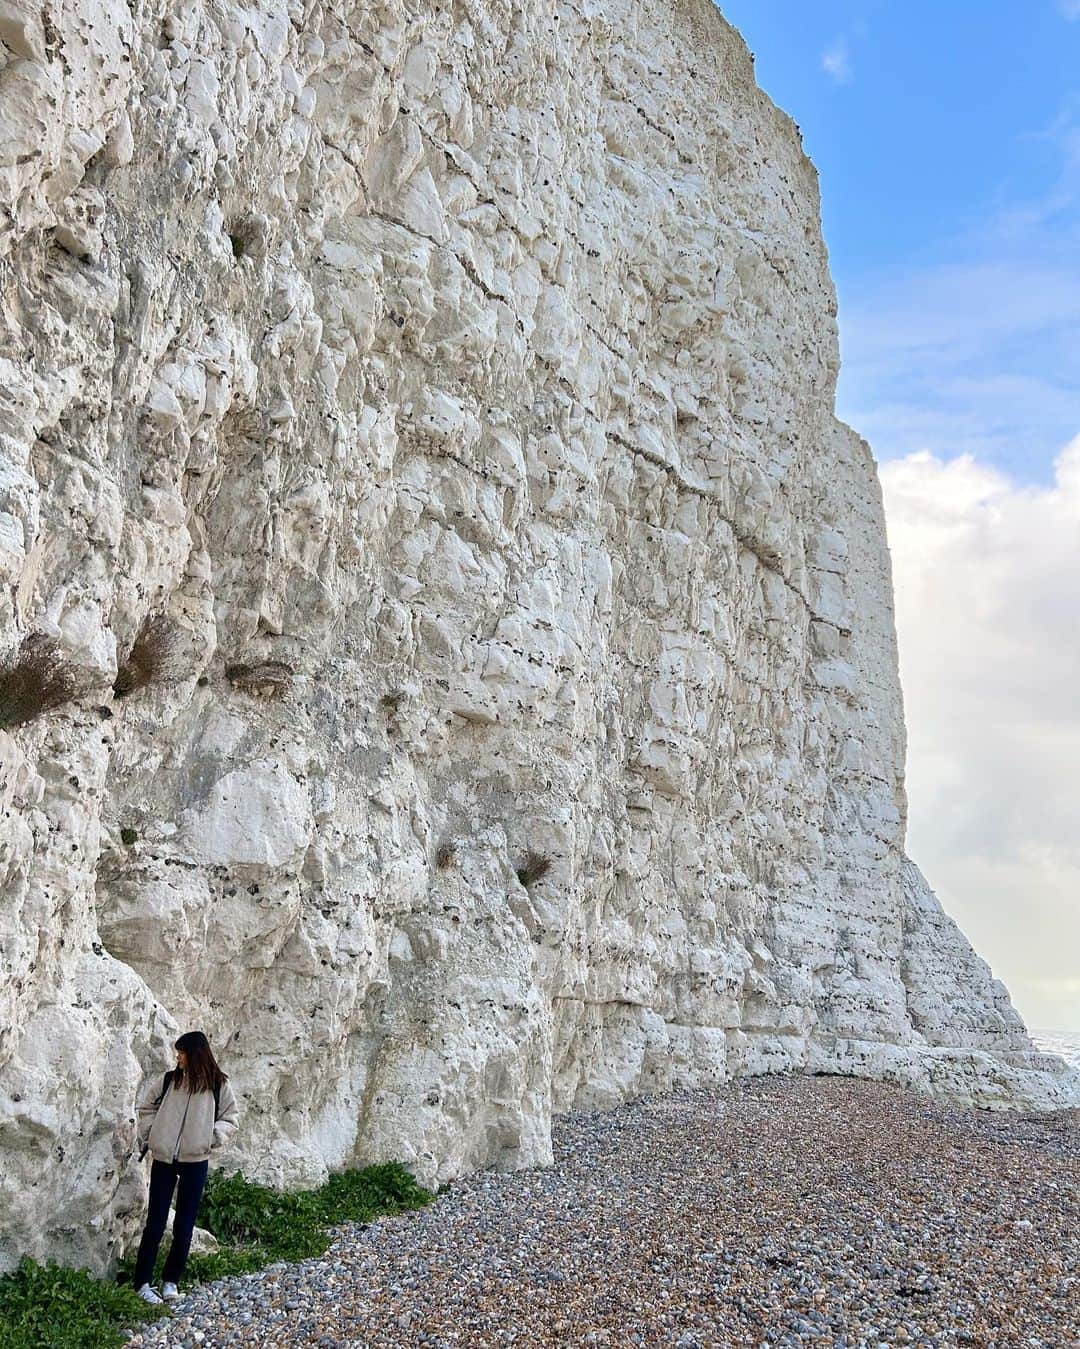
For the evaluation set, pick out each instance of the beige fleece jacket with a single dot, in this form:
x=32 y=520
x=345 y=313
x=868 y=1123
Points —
x=184 y=1128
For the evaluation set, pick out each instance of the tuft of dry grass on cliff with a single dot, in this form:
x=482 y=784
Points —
x=154 y=657
x=535 y=867
x=444 y=857
x=33 y=680
x=266 y=679
x=247 y=234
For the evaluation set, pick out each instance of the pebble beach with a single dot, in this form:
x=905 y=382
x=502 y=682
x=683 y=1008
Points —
x=779 y=1211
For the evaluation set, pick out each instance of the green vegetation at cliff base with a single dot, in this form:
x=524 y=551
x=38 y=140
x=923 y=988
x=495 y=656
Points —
x=51 y=1307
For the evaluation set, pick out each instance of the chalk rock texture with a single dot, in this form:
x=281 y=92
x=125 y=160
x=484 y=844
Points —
x=455 y=383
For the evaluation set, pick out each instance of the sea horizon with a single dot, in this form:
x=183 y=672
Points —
x=1063 y=1042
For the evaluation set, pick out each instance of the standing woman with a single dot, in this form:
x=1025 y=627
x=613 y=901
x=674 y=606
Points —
x=181 y=1120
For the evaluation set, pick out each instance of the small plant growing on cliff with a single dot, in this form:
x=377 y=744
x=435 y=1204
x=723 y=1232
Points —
x=444 y=857
x=33 y=681
x=267 y=679
x=535 y=867
x=154 y=657
x=247 y=234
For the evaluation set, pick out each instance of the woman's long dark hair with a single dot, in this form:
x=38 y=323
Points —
x=202 y=1072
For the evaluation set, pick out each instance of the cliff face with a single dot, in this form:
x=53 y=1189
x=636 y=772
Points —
x=475 y=362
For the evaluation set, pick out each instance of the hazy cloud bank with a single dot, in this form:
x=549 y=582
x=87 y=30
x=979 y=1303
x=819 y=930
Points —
x=987 y=576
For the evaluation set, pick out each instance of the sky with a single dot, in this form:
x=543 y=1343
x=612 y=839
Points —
x=946 y=134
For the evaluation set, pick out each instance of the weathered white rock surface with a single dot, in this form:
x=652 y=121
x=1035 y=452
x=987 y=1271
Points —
x=476 y=360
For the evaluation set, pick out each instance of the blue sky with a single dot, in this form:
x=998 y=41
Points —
x=947 y=137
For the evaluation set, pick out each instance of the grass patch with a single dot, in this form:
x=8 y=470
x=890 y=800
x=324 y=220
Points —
x=49 y=1307
x=258 y=1226
x=282 y=1225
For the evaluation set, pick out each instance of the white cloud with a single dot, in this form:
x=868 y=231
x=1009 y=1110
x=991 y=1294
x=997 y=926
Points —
x=987 y=577
x=836 y=61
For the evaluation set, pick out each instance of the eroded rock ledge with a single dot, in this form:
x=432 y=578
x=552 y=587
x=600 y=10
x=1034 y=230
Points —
x=456 y=383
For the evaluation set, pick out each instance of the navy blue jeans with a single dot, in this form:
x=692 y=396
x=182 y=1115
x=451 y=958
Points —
x=188 y=1179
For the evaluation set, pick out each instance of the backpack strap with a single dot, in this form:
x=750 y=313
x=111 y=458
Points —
x=166 y=1083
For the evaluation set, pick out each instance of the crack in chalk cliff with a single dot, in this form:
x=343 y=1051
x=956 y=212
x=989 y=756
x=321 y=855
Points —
x=769 y=563
x=744 y=540
x=467 y=266
x=599 y=1002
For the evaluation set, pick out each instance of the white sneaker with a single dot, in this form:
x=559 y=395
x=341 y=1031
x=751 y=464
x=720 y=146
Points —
x=170 y=1292
x=148 y=1295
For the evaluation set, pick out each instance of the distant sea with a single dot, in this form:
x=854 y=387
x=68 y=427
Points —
x=1063 y=1042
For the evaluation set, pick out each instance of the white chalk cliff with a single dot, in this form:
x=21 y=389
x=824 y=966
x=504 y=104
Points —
x=475 y=361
